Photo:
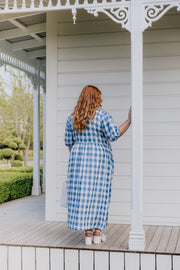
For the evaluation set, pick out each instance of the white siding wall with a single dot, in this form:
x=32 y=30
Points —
x=98 y=52
x=162 y=122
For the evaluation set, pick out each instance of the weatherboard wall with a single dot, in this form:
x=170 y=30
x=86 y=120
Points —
x=97 y=51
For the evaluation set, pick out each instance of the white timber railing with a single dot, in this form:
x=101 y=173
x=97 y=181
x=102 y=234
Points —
x=37 y=258
x=15 y=62
x=36 y=5
x=8 y=59
x=7 y=6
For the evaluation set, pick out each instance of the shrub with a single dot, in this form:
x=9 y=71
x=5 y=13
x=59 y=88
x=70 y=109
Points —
x=4 y=191
x=15 y=185
x=18 y=157
x=17 y=141
x=1 y=155
x=21 y=186
x=16 y=182
x=13 y=145
x=7 y=153
x=22 y=146
x=17 y=163
x=6 y=142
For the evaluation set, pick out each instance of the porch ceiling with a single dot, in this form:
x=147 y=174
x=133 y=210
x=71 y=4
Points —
x=24 y=37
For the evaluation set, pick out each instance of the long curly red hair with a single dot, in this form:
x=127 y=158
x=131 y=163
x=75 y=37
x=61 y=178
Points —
x=88 y=103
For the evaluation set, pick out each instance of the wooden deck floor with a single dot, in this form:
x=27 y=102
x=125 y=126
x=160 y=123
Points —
x=159 y=239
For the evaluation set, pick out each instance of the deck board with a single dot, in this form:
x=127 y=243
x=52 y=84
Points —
x=164 y=239
x=111 y=236
x=156 y=239
x=171 y=247
x=29 y=231
x=149 y=232
x=117 y=241
x=159 y=239
x=124 y=239
x=178 y=244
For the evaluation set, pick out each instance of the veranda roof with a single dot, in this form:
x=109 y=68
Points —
x=23 y=41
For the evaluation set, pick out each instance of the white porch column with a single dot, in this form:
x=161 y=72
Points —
x=36 y=189
x=44 y=139
x=51 y=114
x=137 y=237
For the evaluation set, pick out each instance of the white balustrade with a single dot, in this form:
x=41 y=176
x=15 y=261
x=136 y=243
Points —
x=41 y=4
x=24 y=4
x=153 y=9
x=58 y=3
x=30 y=258
x=32 y=5
x=6 y=5
x=15 y=4
x=50 y=3
x=67 y=3
x=15 y=62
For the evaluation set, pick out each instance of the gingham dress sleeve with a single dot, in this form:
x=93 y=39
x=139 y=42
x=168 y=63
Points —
x=69 y=140
x=110 y=130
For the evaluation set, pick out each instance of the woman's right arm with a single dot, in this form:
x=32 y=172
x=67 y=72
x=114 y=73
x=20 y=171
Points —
x=124 y=126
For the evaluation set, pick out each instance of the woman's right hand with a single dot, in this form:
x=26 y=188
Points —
x=129 y=115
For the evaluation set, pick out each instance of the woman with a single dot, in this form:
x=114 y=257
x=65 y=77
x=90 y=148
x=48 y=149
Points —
x=88 y=133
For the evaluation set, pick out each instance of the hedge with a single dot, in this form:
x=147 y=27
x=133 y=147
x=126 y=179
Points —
x=17 y=163
x=20 y=169
x=15 y=185
x=16 y=182
x=15 y=169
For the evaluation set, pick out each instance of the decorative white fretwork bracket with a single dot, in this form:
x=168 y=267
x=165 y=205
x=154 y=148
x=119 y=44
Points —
x=120 y=15
x=154 y=12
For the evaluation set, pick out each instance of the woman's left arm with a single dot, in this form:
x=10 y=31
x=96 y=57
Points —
x=69 y=138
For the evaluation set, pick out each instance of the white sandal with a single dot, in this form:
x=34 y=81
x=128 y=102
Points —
x=99 y=238
x=88 y=239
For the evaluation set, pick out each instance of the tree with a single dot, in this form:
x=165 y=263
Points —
x=16 y=109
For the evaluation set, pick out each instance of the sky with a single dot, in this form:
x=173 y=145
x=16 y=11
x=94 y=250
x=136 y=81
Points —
x=5 y=77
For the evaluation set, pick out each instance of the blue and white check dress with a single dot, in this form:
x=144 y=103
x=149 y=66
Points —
x=90 y=171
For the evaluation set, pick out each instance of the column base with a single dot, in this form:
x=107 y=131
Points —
x=43 y=188
x=137 y=241
x=36 y=191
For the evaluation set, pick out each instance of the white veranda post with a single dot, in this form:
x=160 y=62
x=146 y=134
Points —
x=44 y=138
x=36 y=189
x=137 y=237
